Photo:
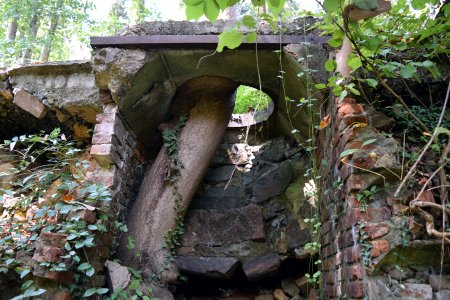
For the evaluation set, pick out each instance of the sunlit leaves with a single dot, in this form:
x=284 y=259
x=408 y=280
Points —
x=330 y=65
x=194 y=12
x=408 y=71
x=230 y=39
x=211 y=9
x=331 y=5
x=354 y=62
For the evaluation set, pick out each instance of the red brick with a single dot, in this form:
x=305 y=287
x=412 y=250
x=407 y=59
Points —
x=344 y=101
x=345 y=239
x=349 y=120
x=352 y=201
x=353 y=272
x=106 y=118
x=379 y=247
x=349 y=109
x=59 y=295
x=104 y=128
x=102 y=138
x=376 y=230
x=352 y=254
x=355 y=289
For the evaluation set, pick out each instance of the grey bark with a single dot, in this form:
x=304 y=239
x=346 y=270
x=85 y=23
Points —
x=33 y=29
x=11 y=32
x=48 y=41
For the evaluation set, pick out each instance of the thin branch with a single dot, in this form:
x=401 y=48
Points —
x=412 y=169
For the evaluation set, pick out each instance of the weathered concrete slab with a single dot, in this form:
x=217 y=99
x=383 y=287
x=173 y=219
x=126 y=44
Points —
x=211 y=267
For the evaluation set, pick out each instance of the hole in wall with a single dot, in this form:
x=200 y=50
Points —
x=252 y=107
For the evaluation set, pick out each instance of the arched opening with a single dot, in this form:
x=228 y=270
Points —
x=252 y=106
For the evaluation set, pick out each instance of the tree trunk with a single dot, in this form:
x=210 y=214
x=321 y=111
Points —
x=34 y=26
x=48 y=41
x=154 y=213
x=11 y=32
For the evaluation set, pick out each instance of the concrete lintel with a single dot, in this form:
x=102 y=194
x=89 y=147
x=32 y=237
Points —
x=271 y=42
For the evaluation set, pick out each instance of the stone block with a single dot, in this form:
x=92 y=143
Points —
x=104 y=128
x=273 y=182
x=416 y=291
x=376 y=230
x=223 y=173
x=442 y=295
x=233 y=154
x=227 y=226
x=30 y=103
x=102 y=138
x=379 y=247
x=106 y=118
x=118 y=276
x=211 y=267
x=261 y=267
x=440 y=283
x=49 y=247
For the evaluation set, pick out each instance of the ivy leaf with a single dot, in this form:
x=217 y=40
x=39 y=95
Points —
x=90 y=292
x=408 y=71
x=335 y=42
x=84 y=266
x=211 y=10
x=194 y=12
x=372 y=82
x=102 y=291
x=90 y=272
x=230 y=39
x=330 y=65
x=366 y=4
x=348 y=152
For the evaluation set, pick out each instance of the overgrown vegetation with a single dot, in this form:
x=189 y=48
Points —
x=249 y=99
x=45 y=191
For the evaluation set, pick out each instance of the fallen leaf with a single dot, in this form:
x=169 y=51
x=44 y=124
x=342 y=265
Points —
x=325 y=122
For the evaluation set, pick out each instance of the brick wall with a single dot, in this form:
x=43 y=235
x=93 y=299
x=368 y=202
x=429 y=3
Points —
x=116 y=149
x=349 y=255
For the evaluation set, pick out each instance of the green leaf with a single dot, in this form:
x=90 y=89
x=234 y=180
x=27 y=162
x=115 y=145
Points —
x=232 y=2
x=427 y=64
x=419 y=4
x=331 y=5
x=373 y=43
x=193 y=2
x=366 y=4
x=348 y=152
x=368 y=142
x=342 y=95
x=90 y=292
x=249 y=21
x=330 y=65
x=443 y=130
x=320 y=86
x=194 y=12
x=408 y=71
x=24 y=273
x=211 y=10
x=371 y=82
x=258 y=2
x=84 y=266
x=230 y=39
x=223 y=4
x=251 y=37
x=354 y=62
x=276 y=6
x=335 y=42
x=90 y=272
x=102 y=291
